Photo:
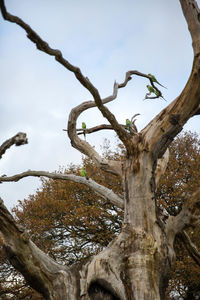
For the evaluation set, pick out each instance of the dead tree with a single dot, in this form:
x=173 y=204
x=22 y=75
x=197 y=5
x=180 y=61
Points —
x=136 y=264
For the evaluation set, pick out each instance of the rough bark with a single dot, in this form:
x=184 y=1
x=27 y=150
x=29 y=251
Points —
x=40 y=271
x=17 y=140
x=106 y=193
x=136 y=264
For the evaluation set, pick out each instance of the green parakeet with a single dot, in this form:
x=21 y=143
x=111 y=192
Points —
x=157 y=93
x=84 y=127
x=83 y=173
x=128 y=124
x=155 y=80
x=150 y=89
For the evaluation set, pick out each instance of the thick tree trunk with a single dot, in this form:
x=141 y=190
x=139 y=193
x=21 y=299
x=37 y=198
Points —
x=136 y=264
x=140 y=219
x=147 y=254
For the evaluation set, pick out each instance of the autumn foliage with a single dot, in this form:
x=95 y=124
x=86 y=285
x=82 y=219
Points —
x=70 y=222
x=180 y=180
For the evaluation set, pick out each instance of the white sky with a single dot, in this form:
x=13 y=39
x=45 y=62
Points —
x=105 y=39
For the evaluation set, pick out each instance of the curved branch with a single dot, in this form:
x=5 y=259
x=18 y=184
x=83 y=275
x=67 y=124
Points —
x=129 y=75
x=84 y=147
x=17 y=140
x=104 y=192
x=124 y=136
x=191 y=12
x=40 y=271
x=43 y=46
x=160 y=132
x=191 y=248
x=189 y=216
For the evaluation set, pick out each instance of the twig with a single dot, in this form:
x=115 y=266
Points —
x=191 y=248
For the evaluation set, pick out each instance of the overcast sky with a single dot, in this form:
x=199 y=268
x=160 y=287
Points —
x=105 y=39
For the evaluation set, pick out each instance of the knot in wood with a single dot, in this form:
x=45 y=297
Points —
x=174 y=119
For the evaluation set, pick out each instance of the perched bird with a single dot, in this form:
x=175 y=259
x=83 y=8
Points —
x=84 y=128
x=128 y=125
x=157 y=93
x=83 y=173
x=150 y=89
x=155 y=80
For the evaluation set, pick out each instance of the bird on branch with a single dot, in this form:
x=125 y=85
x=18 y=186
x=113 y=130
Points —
x=151 y=90
x=83 y=173
x=159 y=94
x=128 y=125
x=84 y=128
x=153 y=78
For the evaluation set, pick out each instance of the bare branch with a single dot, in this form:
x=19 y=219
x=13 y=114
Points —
x=133 y=119
x=43 y=46
x=189 y=216
x=160 y=132
x=133 y=128
x=17 y=140
x=125 y=136
x=191 y=12
x=104 y=192
x=129 y=75
x=191 y=248
x=37 y=268
x=95 y=129
x=84 y=147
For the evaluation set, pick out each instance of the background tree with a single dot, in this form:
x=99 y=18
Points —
x=66 y=221
x=181 y=178
x=136 y=264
